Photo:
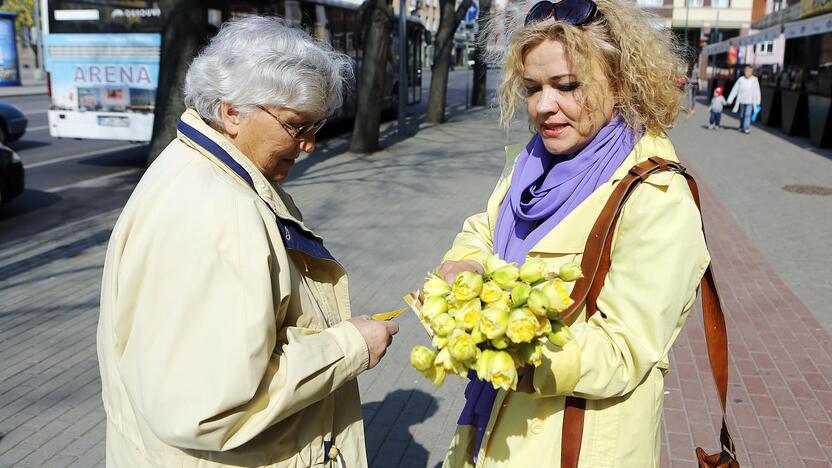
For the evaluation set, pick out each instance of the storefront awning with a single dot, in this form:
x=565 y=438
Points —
x=718 y=48
x=808 y=27
x=769 y=34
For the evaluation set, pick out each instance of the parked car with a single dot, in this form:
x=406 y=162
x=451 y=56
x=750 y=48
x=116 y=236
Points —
x=12 y=122
x=11 y=175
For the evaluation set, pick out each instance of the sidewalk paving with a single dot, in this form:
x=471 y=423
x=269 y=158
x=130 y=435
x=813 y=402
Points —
x=27 y=88
x=388 y=217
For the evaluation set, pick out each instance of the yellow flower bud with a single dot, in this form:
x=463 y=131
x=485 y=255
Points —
x=443 y=324
x=493 y=263
x=483 y=363
x=502 y=371
x=538 y=303
x=445 y=361
x=477 y=335
x=520 y=293
x=439 y=342
x=506 y=276
x=433 y=306
x=544 y=326
x=467 y=315
x=532 y=353
x=491 y=292
x=500 y=343
x=462 y=346
x=436 y=286
x=494 y=321
x=561 y=334
x=522 y=325
x=533 y=270
x=558 y=297
x=467 y=285
x=436 y=375
x=421 y=358
x=570 y=272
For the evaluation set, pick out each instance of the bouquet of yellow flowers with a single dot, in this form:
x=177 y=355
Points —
x=493 y=323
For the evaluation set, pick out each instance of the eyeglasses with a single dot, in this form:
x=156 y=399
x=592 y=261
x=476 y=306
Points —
x=298 y=133
x=574 y=12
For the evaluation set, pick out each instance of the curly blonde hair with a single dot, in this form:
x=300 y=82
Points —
x=640 y=62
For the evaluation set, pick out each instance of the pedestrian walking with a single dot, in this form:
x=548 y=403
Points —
x=593 y=77
x=693 y=87
x=717 y=104
x=745 y=95
x=225 y=336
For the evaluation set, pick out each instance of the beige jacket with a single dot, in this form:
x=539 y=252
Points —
x=619 y=357
x=218 y=345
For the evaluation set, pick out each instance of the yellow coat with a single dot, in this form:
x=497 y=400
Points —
x=619 y=357
x=217 y=345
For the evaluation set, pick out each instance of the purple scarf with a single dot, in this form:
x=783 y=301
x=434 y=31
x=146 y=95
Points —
x=544 y=189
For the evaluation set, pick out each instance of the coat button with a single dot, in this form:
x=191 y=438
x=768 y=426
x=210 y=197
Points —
x=537 y=426
x=333 y=453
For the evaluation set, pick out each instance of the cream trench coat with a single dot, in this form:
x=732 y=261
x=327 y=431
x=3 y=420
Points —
x=217 y=345
x=619 y=357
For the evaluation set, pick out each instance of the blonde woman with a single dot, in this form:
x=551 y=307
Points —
x=598 y=83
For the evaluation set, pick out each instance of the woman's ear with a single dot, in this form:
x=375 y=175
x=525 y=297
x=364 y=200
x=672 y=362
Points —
x=231 y=119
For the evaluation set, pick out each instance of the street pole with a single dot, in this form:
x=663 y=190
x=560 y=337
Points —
x=402 y=64
x=687 y=13
x=39 y=46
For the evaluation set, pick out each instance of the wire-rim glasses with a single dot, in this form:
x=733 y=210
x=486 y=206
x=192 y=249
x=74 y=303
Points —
x=298 y=133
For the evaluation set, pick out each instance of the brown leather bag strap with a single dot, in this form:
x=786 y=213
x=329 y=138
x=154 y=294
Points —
x=596 y=263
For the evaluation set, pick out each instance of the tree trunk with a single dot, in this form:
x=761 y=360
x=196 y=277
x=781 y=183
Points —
x=448 y=22
x=184 y=30
x=378 y=21
x=478 y=91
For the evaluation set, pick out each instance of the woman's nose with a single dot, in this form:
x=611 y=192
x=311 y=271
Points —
x=548 y=102
x=307 y=143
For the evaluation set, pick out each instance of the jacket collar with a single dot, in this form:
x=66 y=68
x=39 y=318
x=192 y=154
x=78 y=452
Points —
x=570 y=235
x=205 y=140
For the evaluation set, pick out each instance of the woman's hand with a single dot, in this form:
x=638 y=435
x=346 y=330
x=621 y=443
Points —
x=448 y=270
x=378 y=334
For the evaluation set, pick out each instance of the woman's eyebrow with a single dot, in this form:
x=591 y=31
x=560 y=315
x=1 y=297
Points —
x=551 y=78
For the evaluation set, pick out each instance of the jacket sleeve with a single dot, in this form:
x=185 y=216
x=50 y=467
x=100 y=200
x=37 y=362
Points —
x=208 y=363
x=474 y=242
x=657 y=262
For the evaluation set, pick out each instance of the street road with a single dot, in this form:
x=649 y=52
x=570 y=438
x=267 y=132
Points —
x=71 y=179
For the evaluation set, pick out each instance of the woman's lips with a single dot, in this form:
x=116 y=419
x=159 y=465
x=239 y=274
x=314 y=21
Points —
x=552 y=130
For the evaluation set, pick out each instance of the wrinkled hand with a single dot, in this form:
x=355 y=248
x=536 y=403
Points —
x=378 y=335
x=448 y=270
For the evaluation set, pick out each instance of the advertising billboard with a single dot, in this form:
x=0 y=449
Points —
x=9 y=68
x=103 y=85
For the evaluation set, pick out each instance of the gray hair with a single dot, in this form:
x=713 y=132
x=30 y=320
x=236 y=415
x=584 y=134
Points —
x=259 y=60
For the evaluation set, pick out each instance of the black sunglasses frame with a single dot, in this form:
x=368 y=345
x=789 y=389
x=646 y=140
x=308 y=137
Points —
x=574 y=12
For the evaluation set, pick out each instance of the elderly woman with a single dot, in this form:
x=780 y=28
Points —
x=225 y=336
x=598 y=84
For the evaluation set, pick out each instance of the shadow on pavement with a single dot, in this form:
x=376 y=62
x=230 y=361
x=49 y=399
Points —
x=25 y=144
x=386 y=427
x=27 y=201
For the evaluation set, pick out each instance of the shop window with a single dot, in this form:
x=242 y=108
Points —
x=696 y=3
x=765 y=47
x=721 y=3
x=650 y=3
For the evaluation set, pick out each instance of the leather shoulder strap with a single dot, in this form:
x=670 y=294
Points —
x=596 y=264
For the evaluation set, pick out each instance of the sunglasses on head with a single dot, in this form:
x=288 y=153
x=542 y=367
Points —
x=574 y=12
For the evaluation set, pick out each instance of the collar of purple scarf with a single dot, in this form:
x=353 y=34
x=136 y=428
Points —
x=544 y=189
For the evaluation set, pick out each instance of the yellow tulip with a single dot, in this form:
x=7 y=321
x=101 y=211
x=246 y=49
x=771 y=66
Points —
x=520 y=293
x=532 y=353
x=467 y=315
x=494 y=321
x=445 y=361
x=500 y=342
x=533 y=270
x=433 y=306
x=538 y=303
x=436 y=375
x=558 y=297
x=483 y=363
x=522 y=325
x=491 y=292
x=462 y=347
x=561 y=334
x=502 y=372
x=544 y=326
x=467 y=285
x=570 y=272
x=506 y=276
x=443 y=324
x=493 y=263
x=439 y=342
x=436 y=286
x=421 y=358
x=477 y=335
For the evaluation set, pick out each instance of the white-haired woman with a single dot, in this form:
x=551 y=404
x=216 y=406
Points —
x=597 y=81
x=225 y=336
